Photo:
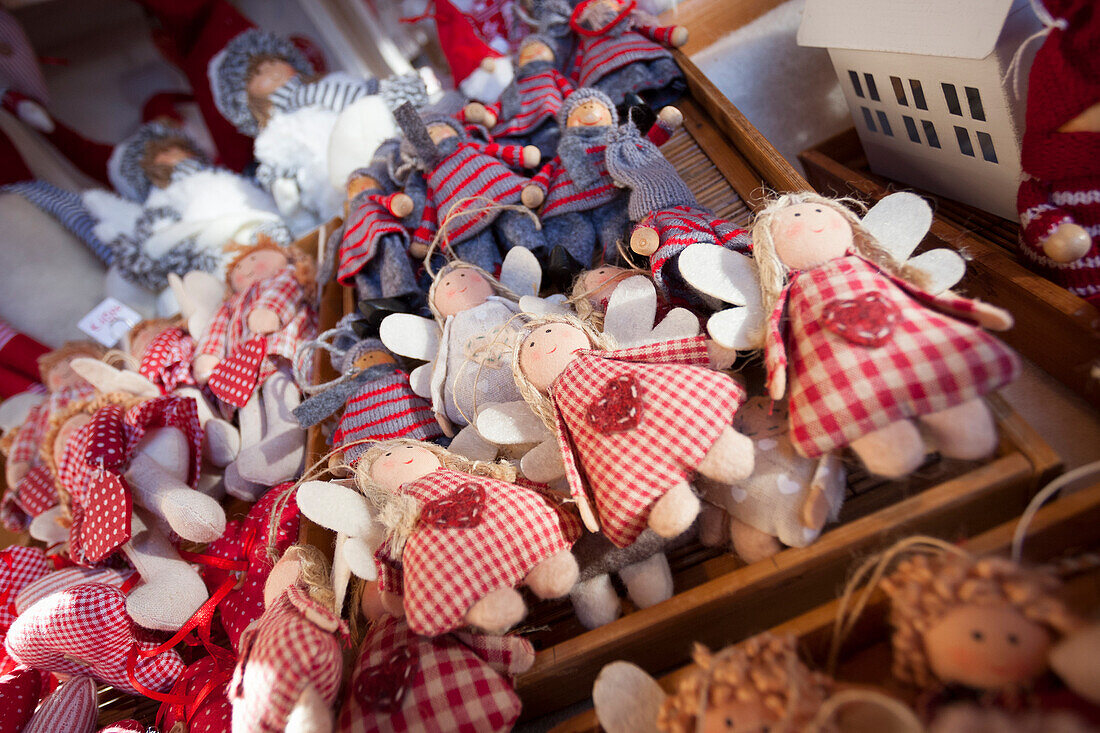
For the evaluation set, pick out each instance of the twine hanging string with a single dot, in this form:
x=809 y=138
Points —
x=1049 y=24
x=303 y=360
x=1044 y=495
x=460 y=210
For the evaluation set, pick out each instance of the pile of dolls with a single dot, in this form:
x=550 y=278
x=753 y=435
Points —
x=534 y=393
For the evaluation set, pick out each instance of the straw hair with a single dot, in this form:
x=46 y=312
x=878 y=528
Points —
x=539 y=402
x=498 y=288
x=764 y=669
x=305 y=267
x=579 y=292
x=67 y=352
x=315 y=574
x=773 y=273
x=924 y=589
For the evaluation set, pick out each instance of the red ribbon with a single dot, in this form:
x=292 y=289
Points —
x=575 y=18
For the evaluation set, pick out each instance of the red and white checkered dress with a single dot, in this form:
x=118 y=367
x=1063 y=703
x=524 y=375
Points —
x=368 y=223
x=167 y=360
x=27 y=444
x=404 y=682
x=632 y=423
x=35 y=493
x=294 y=644
x=926 y=354
x=227 y=333
x=500 y=532
x=19 y=567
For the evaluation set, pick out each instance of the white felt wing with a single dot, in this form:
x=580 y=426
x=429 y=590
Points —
x=359 y=555
x=521 y=272
x=942 y=268
x=632 y=309
x=626 y=699
x=412 y=336
x=199 y=295
x=335 y=507
x=720 y=273
x=543 y=463
x=107 y=379
x=554 y=305
x=510 y=423
x=738 y=328
x=341 y=573
x=899 y=222
x=15 y=410
x=421 y=380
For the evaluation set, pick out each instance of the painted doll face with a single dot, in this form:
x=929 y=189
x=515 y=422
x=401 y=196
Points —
x=987 y=647
x=534 y=51
x=589 y=113
x=598 y=284
x=738 y=716
x=256 y=267
x=359 y=184
x=372 y=358
x=438 y=132
x=547 y=350
x=460 y=290
x=402 y=464
x=808 y=235
x=66 y=432
x=171 y=157
x=269 y=76
x=61 y=375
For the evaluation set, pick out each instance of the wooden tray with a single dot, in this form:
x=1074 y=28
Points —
x=1064 y=527
x=1054 y=328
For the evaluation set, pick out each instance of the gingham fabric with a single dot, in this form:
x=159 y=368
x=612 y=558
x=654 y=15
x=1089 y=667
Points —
x=296 y=642
x=446 y=569
x=472 y=170
x=839 y=390
x=537 y=93
x=632 y=423
x=383 y=409
x=681 y=226
x=85 y=630
x=35 y=493
x=235 y=378
x=28 y=440
x=20 y=690
x=71 y=708
x=404 y=682
x=210 y=714
x=228 y=330
x=19 y=567
x=167 y=360
x=369 y=221
x=600 y=55
x=65 y=578
x=248 y=541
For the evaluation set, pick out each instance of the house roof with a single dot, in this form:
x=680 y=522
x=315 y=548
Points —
x=957 y=28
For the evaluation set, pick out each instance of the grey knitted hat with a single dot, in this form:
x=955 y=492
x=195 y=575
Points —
x=636 y=163
x=581 y=96
x=229 y=67
x=543 y=39
x=347 y=361
x=124 y=166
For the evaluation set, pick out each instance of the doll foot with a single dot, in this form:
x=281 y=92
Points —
x=193 y=515
x=596 y=602
x=674 y=512
x=240 y=488
x=497 y=612
x=891 y=452
x=815 y=509
x=751 y=544
x=555 y=576
x=730 y=459
x=221 y=442
x=648 y=582
x=965 y=431
x=275 y=459
x=311 y=714
x=561 y=268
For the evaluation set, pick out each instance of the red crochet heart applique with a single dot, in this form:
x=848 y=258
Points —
x=383 y=686
x=105 y=517
x=618 y=408
x=458 y=510
x=236 y=376
x=867 y=320
x=107 y=439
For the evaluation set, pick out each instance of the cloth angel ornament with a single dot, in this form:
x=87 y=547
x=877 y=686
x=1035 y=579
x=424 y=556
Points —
x=477 y=217
x=461 y=536
x=245 y=353
x=581 y=207
x=861 y=351
x=619 y=51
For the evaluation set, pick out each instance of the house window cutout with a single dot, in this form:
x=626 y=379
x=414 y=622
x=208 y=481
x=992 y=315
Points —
x=918 y=94
x=911 y=128
x=965 y=147
x=868 y=119
x=985 y=142
x=952 y=99
x=930 y=133
x=899 y=91
x=884 y=123
x=855 y=83
x=872 y=88
x=974 y=99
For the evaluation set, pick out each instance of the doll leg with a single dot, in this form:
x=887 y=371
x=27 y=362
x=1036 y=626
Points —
x=612 y=226
x=648 y=582
x=481 y=250
x=221 y=442
x=729 y=459
x=240 y=488
x=519 y=229
x=546 y=138
x=891 y=452
x=965 y=431
x=674 y=512
x=396 y=270
x=751 y=544
x=279 y=455
x=191 y=514
x=368 y=285
x=554 y=576
x=310 y=714
x=497 y=612
x=826 y=493
x=171 y=590
x=595 y=601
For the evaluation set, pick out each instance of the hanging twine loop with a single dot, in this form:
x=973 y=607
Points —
x=1049 y=24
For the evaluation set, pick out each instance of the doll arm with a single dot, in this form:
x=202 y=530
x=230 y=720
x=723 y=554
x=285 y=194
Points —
x=281 y=297
x=546 y=172
x=668 y=35
x=564 y=85
x=1048 y=229
x=732 y=236
x=28 y=438
x=428 y=226
x=475 y=113
x=668 y=121
x=508 y=655
x=692 y=351
x=389 y=574
x=517 y=156
x=956 y=306
x=775 y=350
x=398 y=204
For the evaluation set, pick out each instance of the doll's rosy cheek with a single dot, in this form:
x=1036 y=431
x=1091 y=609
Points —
x=793 y=229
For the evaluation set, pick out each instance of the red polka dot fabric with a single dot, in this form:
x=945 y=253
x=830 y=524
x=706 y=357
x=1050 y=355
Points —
x=20 y=692
x=236 y=376
x=107 y=438
x=211 y=714
x=124 y=726
x=167 y=360
x=102 y=524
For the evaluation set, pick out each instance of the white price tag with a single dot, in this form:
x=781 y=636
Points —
x=109 y=321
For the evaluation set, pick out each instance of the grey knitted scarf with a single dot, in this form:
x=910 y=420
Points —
x=635 y=162
x=572 y=149
x=321 y=405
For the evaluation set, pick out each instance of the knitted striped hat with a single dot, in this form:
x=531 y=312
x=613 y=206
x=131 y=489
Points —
x=124 y=166
x=635 y=162
x=228 y=72
x=582 y=95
